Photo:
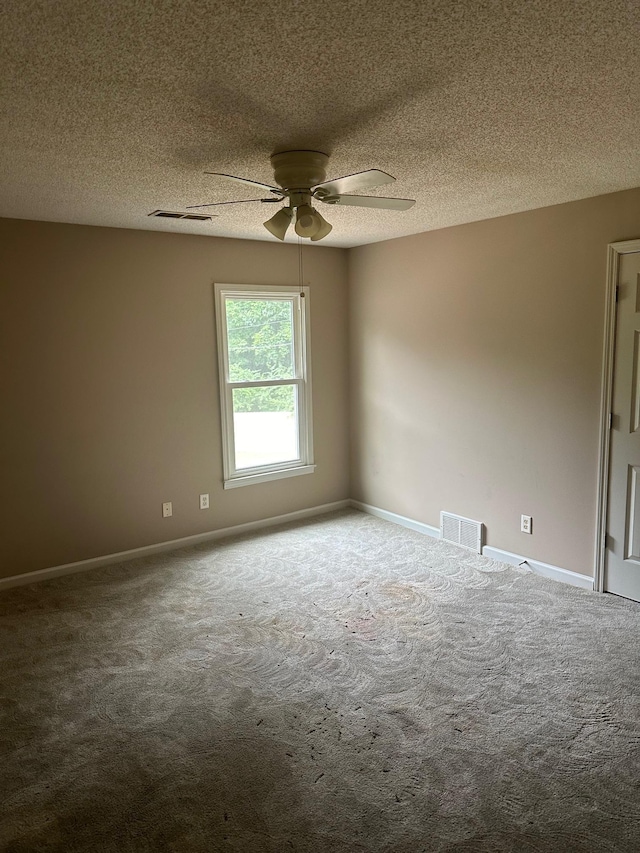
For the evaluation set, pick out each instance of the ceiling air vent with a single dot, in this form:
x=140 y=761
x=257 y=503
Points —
x=461 y=531
x=172 y=214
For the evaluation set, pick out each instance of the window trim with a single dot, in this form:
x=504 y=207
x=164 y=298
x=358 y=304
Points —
x=234 y=477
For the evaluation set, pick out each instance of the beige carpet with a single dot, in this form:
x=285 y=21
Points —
x=338 y=685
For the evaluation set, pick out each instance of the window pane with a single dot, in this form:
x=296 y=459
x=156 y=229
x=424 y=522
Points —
x=265 y=425
x=260 y=339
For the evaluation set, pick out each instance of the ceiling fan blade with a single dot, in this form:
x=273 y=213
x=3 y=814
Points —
x=247 y=181
x=371 y=201
x=239 y=201
x=359 y=181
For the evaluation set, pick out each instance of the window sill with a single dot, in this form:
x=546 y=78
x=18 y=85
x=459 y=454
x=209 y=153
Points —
x=253 y=479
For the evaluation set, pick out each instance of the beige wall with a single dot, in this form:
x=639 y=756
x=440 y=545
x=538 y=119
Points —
x=475 y=377
x=110 y=395
x=475 y=373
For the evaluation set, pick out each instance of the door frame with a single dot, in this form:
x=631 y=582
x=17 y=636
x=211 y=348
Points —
x=614 y=253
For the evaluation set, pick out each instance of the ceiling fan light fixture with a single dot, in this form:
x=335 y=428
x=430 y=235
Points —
x=279 y=223
x=308 y=221
x=325 y=228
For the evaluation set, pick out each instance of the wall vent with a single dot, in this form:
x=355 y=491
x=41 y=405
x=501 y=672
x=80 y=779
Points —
x=461 y=531
x=174 y=214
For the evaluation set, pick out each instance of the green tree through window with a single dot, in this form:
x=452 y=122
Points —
x=260 y=345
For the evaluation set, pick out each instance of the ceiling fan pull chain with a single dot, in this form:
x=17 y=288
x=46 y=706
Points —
x=300 y=267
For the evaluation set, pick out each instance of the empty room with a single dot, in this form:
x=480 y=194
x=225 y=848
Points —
x=320 y=435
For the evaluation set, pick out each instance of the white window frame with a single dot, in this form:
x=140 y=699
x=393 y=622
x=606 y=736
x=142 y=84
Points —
x=299 y=297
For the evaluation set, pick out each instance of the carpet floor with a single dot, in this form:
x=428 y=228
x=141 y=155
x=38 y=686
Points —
x=333 y=686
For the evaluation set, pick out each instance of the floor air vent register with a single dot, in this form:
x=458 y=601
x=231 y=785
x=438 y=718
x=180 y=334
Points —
x=461 y=531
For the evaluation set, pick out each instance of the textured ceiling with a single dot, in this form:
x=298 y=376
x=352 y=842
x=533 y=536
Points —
x=479 y=108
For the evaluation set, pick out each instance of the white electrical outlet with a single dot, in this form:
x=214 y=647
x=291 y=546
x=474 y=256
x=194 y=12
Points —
x=525 y=523
x=204 y=501
x=167 y=509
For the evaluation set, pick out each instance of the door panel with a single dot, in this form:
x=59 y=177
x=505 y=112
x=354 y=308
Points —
x=635 y=391
x=622 y=567
x=632 y=551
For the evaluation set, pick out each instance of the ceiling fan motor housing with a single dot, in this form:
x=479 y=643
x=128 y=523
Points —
x=299 y=169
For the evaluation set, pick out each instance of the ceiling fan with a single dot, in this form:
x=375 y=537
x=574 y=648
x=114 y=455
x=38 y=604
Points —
x=300 y=176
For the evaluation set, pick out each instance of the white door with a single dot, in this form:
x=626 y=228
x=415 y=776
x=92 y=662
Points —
x=622 y=565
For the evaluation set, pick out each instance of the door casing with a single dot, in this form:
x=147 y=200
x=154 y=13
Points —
x=614 y=252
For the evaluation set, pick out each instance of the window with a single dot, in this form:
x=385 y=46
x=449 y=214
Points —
x=265 y=382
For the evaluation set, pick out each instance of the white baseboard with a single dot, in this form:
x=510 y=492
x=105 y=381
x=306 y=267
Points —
x=148 y=550
x=544 y=569
x=419 y=526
